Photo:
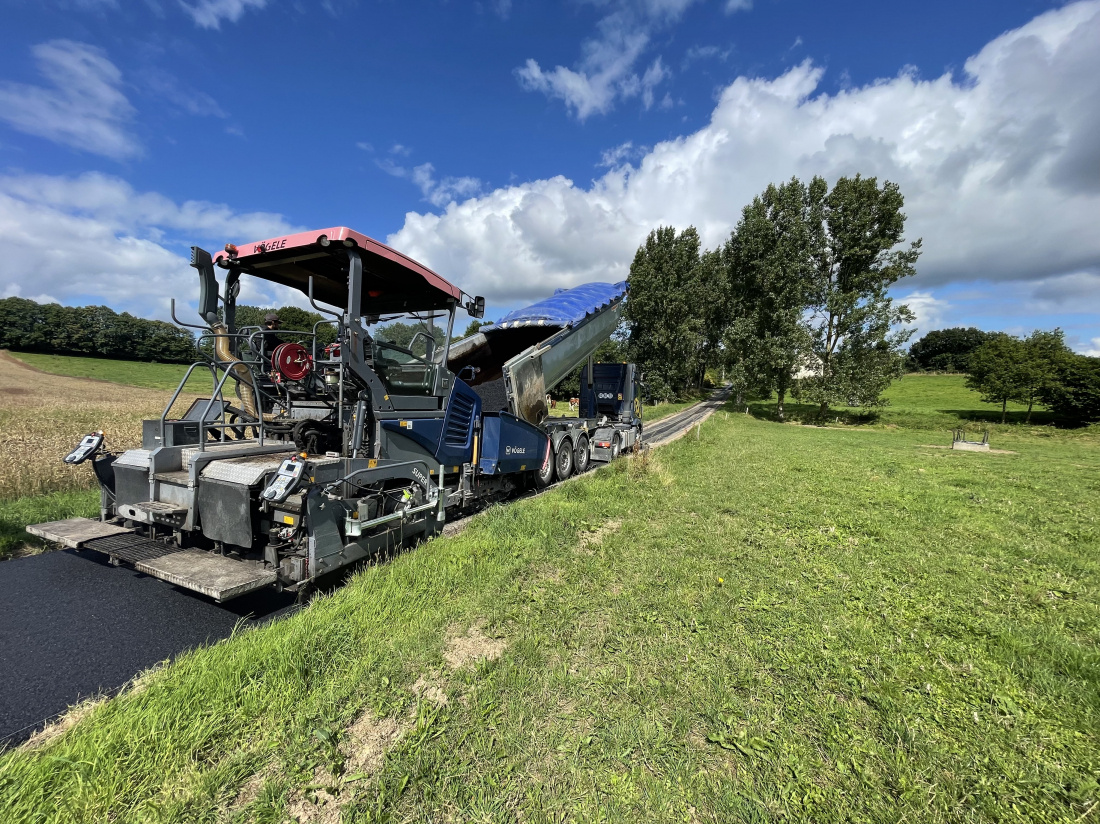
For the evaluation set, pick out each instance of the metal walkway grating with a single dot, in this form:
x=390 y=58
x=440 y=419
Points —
x=130 y=548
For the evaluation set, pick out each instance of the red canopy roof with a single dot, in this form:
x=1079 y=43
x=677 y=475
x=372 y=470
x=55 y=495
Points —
x=392 y=282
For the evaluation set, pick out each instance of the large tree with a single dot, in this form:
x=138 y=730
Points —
x=662 y=312
x=994 y=370
x=771 y=258
x=1040 y=368
x=853 y=322
x=1075 y=395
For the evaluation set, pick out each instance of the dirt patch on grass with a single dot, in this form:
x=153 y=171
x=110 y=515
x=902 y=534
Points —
x=364 y=746
x=591 y=540
x=471 y=647
x=429 y=690
x=984 y=451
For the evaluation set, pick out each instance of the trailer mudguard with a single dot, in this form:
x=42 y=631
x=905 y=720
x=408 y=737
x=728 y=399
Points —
x=510 y=445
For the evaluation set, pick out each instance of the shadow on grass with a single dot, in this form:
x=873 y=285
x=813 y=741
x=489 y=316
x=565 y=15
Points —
x=994 y=416
x=809 y=413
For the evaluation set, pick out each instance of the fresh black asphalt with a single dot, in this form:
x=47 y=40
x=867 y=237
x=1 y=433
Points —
x=73 y=627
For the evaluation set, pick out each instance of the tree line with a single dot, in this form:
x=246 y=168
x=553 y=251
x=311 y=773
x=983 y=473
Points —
x=90 y=331
x=795 y=299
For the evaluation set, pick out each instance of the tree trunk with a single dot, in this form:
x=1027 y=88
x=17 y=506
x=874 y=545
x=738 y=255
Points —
x=779 y=405
x=740 y=398
x=1004 y=408
x=1030 y=403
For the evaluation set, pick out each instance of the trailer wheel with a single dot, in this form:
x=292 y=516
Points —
x=616 y=446
x=563 y=460
x=581 y=455
x=545 y=475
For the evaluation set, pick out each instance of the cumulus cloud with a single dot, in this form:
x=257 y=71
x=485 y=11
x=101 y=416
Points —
x=94 y=239
x=1092 y=349
x=738 y=5
x=929 y=312
x=83 y=107
x=1000 y=167
x=209 y=14
x=606 y=70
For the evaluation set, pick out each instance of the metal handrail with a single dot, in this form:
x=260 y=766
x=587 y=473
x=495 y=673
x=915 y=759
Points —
x=179 y=389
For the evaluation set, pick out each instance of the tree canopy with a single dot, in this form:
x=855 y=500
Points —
x=91 y=331
x=946 y=350
x=800 y=287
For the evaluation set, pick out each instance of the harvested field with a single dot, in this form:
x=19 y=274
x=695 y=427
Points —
x=43 y=416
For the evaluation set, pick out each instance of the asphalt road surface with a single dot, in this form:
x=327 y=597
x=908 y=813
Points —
x=73 y=627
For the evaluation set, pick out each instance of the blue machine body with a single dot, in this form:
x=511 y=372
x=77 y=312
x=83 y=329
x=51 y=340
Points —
x=509 y=444
x=450 y=437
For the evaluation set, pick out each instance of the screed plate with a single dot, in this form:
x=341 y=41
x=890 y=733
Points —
x=214 y=575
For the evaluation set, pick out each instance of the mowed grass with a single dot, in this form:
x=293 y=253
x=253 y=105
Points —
x=768 y=623
x=919 y=401
x=162 y=376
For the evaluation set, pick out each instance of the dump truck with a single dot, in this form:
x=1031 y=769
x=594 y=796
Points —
x=306 y=457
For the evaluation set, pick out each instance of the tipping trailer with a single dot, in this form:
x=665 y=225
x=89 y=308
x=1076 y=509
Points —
x=518 y=360
x=305 y=458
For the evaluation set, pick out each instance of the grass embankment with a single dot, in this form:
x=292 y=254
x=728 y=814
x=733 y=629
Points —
x=43 y=416
x=771 y=622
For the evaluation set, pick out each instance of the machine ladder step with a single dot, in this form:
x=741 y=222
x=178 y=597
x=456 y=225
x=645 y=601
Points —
x=153 y=512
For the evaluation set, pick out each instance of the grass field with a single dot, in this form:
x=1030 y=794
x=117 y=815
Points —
x=43 y=416
x=918 y=401
x=161 y=376
x=769 y=623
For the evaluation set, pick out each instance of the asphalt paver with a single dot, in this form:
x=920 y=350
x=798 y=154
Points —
x=73 y=627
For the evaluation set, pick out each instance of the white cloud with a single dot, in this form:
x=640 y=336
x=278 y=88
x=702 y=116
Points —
x=606 y=70
x=366 y=147
x=437 y=192
x=398 y=149
x=84 y=109
x=929 y=311
x=733 y=6
x=1093 y=351
x=93 y=239
x=208 y=14
x=1000 y=169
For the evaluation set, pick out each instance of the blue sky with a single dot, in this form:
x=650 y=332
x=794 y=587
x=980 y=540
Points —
x=517 y=146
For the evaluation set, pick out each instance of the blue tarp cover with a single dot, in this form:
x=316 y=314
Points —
x=565 y=308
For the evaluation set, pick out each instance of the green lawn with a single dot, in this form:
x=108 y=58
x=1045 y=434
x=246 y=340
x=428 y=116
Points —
x=770 y=623
x=918 y=401
x=166 y=376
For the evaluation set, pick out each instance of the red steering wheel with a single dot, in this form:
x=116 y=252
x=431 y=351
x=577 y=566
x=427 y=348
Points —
x=292 y=361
